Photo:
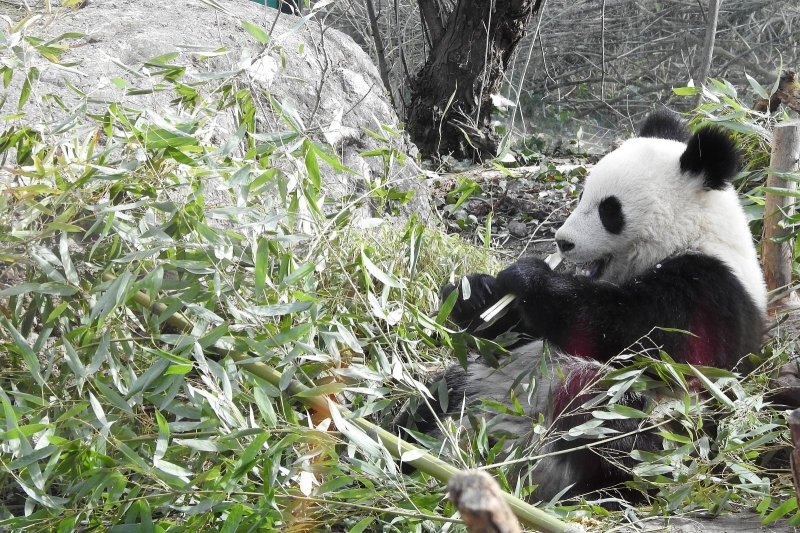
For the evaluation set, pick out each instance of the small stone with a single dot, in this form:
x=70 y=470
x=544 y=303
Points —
x=518 y=229
x=517 y=185
x=505 y=204
x=479 y=208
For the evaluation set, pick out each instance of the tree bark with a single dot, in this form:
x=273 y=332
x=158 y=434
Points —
x=450 y=106
x=794 y=428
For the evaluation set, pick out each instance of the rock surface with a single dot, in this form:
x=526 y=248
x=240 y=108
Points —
x=320 y=77
x=735 y=523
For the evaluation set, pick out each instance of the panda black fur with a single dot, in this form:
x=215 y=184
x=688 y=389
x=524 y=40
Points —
x=666 y=246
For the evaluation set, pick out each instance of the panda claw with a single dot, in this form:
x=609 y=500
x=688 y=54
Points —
x=487 y=287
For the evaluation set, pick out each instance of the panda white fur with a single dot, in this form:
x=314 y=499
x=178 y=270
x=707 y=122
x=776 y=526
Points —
x=665 y=244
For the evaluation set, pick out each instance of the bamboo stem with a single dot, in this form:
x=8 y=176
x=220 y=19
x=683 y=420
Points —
x=424 y=462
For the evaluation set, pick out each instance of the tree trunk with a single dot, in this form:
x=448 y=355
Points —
x=450 y=107
x=431 y=21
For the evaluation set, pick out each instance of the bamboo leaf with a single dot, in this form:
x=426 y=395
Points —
x=261 y=262
x=715 y=391
x=69 y=269
x=298 y=274
x=30 y=79
x=377 y=273
x=280 y=309
x=264 y=404
x=50 y=288
x=258 y=33
x=25 y=350
x=312 y=167
x=757 y=88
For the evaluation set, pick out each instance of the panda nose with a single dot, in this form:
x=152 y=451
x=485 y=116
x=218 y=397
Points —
x=565 y=245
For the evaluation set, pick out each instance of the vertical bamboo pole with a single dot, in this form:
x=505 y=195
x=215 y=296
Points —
x=777 y=256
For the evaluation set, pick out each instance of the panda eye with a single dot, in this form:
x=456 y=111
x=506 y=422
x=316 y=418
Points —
x=610 y=211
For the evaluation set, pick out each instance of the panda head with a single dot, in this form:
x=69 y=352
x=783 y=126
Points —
x=660 y=194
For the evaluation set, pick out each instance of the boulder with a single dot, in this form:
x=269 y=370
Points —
x=318 y=77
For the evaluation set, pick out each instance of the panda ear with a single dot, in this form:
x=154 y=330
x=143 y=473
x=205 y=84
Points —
x=712 y=153
x=664 y=124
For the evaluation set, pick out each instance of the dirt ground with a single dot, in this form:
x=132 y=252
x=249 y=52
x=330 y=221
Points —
x=521 y=207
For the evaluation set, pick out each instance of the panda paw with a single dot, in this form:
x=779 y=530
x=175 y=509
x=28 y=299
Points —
x=483 y=294
x=523 y=277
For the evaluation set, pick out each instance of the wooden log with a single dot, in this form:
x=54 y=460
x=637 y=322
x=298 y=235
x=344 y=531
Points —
x=483 y=506
x=479 y=500
x=777 y=256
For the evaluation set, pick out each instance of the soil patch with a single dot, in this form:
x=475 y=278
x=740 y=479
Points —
x=518 y=210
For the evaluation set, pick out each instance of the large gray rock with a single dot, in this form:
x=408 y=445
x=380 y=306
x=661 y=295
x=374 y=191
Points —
x=319 y=76
x=733 y=523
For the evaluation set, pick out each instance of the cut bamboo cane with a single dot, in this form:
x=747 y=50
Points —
x=422 y=460
x=498 y=307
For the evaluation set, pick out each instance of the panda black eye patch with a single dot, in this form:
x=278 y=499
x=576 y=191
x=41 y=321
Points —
x=611 y=216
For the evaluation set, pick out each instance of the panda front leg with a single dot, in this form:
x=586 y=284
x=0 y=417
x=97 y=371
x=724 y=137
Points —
x=483 y=294
x=587 y=467
x=478 y=380
x=460 y=383
x=466 y=387
x=599 y=319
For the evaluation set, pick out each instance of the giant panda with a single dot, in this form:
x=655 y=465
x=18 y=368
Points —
x=664 y=245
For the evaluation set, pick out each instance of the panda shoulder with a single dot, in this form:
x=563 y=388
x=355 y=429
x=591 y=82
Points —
x=691 y=263
x=702 y=275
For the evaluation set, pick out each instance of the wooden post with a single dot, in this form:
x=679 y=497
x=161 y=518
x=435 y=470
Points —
x=794 y=427
x=777 y=256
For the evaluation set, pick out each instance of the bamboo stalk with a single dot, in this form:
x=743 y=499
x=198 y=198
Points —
x=424 y=462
